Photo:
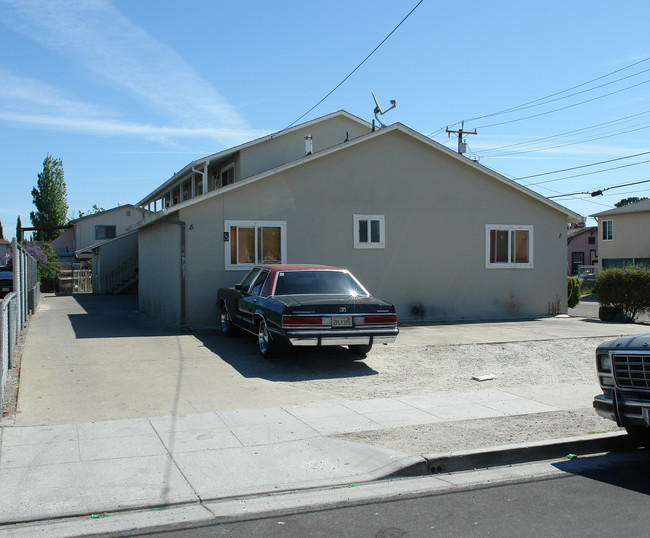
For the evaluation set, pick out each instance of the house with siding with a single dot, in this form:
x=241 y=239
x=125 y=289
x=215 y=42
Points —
x=435 y=233
x=582 y=248
x=624 y=235
x=76 y=243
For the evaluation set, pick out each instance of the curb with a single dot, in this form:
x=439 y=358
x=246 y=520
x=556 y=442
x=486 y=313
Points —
x=499 y=456
x=148 y=518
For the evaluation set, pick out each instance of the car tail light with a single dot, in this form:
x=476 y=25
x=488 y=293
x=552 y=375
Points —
x=380 y=319
x=301 y=321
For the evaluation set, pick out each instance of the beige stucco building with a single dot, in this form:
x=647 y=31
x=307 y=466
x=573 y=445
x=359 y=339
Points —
x=76 y=243
x=437 y=234
x=624 y=235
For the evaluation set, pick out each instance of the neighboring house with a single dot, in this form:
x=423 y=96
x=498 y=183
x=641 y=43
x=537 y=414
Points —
x=624 y=235
x=437 y=234
x=582 y=247
x=76 y=243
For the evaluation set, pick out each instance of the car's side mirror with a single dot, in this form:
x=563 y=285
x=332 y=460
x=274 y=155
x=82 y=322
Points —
x=238 y=287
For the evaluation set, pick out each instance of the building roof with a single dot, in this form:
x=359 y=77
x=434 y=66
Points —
x=92 y=215
x=574 y=232
x=232 y=151
x=371 y=135
x=637 y=207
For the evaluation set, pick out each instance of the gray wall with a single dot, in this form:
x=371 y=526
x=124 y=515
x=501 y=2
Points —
x=436 y=209
x=291 y=146
x=159 y=285
x=121 y=218
x=111 y=255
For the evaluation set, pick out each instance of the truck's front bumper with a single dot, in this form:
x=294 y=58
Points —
x=624 y=411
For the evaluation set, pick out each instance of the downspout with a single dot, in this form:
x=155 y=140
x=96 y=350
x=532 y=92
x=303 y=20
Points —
x=182 y=267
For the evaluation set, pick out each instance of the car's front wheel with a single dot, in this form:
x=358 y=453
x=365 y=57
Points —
x=360 y=349
x=225 y=323
x=265 y=344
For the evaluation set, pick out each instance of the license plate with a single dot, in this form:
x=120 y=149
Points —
x=342 y=321
x=5 y=289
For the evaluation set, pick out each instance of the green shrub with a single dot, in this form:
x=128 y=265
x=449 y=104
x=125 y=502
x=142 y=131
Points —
x=626 y=289
x=573 y=291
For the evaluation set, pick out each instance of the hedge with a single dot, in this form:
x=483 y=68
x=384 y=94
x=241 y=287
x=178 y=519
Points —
x=625 y=289
x=573 y=291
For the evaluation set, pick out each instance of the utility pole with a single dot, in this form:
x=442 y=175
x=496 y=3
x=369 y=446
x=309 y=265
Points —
x=462 y=146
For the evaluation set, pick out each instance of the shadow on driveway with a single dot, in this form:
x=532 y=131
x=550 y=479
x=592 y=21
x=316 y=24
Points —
x=114 y=316
x=117 y=316
x=292 y=364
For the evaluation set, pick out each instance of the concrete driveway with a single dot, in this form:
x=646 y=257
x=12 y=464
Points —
x=92 y=358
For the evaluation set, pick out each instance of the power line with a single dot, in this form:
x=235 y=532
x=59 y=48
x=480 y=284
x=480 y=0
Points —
x=511 y=109
x=556 y=146
x=564 y=107
x=546 y=102
x=358 y=66
x=583 y=166
x=599 y=192
x=586 y=173
x=588 y=128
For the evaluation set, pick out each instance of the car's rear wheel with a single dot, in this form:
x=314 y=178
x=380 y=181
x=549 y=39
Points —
x=360 y=349
x=265 y=344
x=225 y=323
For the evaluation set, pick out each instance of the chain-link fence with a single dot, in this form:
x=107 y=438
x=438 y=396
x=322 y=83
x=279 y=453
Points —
x=16 y=307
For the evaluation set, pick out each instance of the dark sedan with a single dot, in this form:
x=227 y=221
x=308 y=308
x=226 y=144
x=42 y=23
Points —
x=6 y=283
x=306 y=305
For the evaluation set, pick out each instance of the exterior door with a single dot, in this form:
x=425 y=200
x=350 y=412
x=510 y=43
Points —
x=577 y=259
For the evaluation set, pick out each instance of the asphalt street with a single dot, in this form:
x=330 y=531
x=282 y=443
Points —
x=601 y=496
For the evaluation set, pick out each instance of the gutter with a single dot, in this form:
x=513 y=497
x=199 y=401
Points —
x=182 y=266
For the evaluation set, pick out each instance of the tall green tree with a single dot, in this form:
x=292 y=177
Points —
x=2 y=235
x=19 y=227
x=50 y=199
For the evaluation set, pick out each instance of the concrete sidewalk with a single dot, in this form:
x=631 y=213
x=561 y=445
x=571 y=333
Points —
x=97 y=466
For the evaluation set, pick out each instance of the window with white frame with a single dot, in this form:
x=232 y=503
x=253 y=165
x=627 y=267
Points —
x=248 y=243
x=508 y=246
x=608 y=230
x=369 y=231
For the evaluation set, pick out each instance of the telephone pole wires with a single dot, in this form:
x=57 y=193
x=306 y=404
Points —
x=462 y=146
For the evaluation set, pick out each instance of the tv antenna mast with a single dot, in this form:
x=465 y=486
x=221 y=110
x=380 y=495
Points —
x=381 y=112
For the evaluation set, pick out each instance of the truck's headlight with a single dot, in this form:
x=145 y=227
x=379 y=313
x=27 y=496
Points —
x=606 y=381
x=604 y=362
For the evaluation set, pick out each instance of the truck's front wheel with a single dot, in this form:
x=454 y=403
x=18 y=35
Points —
x=639 y=434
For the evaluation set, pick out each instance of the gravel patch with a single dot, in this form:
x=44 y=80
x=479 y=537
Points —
x=542 y=370
x=488 y=432
x=10 y=396
x=394 y=371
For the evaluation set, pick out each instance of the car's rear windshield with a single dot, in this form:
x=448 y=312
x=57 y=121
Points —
x=317 y=282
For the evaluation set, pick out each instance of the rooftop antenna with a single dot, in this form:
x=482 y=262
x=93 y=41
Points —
x=381 y=112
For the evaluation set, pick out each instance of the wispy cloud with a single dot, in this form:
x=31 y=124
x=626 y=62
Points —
x=108 y=127
x=98 y=38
